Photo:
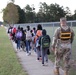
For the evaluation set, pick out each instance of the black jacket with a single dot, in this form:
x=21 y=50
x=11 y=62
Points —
x=44 y=34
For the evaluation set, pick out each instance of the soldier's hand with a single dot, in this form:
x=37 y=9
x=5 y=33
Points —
x=55 y=53
x=53 y=49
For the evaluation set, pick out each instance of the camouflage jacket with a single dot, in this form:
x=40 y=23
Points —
x=57 y=34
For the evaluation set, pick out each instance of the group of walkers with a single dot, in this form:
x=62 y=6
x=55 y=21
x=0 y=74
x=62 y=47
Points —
x=39 y=41
x=35 y=39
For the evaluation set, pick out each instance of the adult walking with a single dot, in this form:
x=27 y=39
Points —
x=62 y=41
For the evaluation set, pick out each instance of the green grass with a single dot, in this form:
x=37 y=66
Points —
x=9 y=64
x=50 y=31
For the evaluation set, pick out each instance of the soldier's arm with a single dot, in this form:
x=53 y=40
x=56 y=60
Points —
x=72 y=35
x=55 y=37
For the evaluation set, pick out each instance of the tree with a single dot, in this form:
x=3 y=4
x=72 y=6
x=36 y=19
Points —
x=67 y=11
x=10 y=14
x=68 y=14
x=22 y=18
x=74 y=16
x=28 y=8
x=12 y=1
x=30 y=14
x=43 y=12
x=56 y=12
x=52 y=12
x=44 y=8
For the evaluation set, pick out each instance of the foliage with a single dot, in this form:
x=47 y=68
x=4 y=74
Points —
x=28 y=8
x=10 y=13
x=52 y=12
x=47 y=13
x=21 y=13
x=12 y=1
x=29 y=13
x=74 y=16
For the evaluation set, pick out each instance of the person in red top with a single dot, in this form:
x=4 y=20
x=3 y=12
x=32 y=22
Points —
x=13 y=33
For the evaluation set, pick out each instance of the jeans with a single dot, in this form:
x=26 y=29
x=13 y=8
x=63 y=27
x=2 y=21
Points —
x=35 y=47
x=28 y=47
x=18 y=44
x=44 y=55
x=38 y=53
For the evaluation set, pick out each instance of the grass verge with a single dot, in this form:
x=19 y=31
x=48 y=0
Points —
x=9 y=64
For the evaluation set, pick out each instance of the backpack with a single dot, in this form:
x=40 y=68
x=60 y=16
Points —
x=28 y=36
x=14 y=30
x=19 y=34
x=45 y=43
x=9 y=30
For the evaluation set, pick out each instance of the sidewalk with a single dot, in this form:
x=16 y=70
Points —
x=32 y=66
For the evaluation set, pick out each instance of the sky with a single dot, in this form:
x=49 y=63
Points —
x=22 y=3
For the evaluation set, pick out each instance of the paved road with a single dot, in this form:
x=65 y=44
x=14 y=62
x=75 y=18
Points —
x=32 y=66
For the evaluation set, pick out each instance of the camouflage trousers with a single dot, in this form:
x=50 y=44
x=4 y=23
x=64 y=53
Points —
x=63 y=52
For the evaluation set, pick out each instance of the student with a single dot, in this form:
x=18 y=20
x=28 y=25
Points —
x=28 y=41
x=34 y=31
x=18 y=36
x=14 y=32
x=32 y=41
x=44 y=42
x=38 y=34
x=23 y=38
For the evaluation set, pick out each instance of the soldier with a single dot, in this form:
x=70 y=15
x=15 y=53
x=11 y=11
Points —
x=61 y=44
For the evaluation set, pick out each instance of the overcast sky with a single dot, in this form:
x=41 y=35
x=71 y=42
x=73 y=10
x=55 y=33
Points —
x=22 y=3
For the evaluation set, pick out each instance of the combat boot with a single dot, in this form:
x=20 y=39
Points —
x=66 y=73
x=56 y=71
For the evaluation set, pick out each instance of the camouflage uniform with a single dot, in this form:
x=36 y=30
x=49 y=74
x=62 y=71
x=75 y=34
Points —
x=62 y=42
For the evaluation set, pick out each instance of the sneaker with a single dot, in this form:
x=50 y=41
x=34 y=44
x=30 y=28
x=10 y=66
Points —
x=27 y=54
x=46 y=63
x=40 y=58
x=43 y=64
x=19 y=50
x=29 y=51
x=37 y=58
x=16 y=49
